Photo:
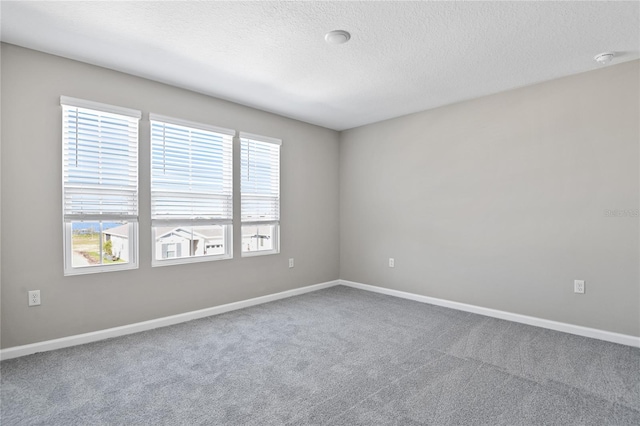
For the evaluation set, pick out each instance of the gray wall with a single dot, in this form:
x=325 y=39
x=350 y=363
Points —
x=500 y=201
x=32 y=83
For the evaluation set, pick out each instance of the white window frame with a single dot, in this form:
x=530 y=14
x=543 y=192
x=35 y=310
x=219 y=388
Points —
x=276 y=240
x=191 y=222
x=274 y=221
x=80 y=270
x=227 y=238
x=69 y=218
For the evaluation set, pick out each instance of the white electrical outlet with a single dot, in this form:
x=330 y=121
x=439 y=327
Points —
x=578 y=286
x=291 y=262
x=34 y=298
x=392 y=263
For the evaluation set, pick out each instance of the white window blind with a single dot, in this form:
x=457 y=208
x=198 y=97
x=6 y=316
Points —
x=260 y=178
x=100 y=161
x=191 y=172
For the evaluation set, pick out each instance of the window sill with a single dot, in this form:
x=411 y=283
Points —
x=99 y=269
x=186 y=260
x=259 y=253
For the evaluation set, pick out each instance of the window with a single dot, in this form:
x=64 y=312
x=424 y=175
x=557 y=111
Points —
x=100 y=186
x=191 y=191
x=260 y=190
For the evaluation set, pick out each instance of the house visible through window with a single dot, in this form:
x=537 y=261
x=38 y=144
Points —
x=191 y=191
x=260 y=190
x=100 y=186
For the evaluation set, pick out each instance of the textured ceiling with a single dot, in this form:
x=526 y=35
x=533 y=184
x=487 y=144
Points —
x=403 y=57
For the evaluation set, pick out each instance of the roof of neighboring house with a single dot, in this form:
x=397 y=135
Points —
x=203 y=232
x=253 y=230
x=120 y=231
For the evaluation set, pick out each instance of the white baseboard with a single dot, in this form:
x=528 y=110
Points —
x=79 y=339
x=594 y=333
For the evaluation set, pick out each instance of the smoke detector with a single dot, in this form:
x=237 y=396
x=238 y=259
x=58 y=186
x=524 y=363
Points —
x=337 y=37
x=604 y=58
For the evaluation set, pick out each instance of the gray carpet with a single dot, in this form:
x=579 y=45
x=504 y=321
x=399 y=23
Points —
x=334 y=357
